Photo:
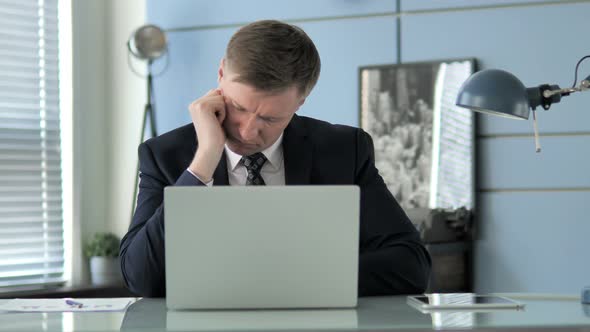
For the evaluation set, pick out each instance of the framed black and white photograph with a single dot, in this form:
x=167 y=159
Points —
x=424 y=143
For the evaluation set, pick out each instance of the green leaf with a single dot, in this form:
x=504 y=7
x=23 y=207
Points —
x=102 y=244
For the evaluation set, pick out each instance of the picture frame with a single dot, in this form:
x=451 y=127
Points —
x=424 y=143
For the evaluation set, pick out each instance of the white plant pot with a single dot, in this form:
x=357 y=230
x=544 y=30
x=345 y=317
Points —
x=105 y=271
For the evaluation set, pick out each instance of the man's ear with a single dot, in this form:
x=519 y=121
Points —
x=301 y=102
x=220 y=71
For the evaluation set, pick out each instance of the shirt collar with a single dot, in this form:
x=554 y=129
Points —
x=273 y=154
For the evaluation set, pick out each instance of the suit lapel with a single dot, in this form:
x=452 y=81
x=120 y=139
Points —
x=220 y=177
x=297 y=152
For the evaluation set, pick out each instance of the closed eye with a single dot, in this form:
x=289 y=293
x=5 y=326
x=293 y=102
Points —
x=238 y=107
x=269 y=119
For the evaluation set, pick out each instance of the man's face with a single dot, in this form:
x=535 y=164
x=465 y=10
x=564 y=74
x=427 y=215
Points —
x=254 y=119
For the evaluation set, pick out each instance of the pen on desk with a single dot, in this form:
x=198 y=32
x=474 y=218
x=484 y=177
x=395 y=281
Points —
x=74 y=303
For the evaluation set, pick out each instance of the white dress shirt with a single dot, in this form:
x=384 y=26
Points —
x=273 y=170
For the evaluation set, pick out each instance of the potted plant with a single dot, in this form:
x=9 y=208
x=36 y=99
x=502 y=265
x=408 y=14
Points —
x=103 y=252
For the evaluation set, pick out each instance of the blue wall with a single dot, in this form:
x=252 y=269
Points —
x=533 y=209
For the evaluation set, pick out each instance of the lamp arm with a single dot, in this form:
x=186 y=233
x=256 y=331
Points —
x=544 y=95
x=562 y=92
x=585 y=84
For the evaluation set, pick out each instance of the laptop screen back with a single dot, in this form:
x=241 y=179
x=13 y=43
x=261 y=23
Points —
x=261 y=247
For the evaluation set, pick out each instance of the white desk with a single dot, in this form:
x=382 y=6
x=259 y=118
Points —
x=377 y=313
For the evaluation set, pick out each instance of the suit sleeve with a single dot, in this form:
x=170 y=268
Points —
x=142 y=248
x=393 y=259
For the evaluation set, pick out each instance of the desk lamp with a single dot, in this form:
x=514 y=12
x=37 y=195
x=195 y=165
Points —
x=498 y=92
x=149 y=43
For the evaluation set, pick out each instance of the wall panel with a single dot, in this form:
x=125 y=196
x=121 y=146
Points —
x=413 y=5
x=189 y=13
x=533 y=242
x=512 y=163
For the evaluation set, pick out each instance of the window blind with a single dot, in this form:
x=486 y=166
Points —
x=31 y=222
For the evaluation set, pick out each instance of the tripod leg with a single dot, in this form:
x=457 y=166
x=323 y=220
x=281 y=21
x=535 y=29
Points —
x=152 y=120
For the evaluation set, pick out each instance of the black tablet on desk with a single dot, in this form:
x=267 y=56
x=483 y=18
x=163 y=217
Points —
x=462 y=301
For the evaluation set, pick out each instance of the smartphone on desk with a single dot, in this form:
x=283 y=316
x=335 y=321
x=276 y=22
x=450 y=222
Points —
x=461 y=301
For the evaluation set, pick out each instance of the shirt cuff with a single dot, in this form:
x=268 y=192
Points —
x=208 y=184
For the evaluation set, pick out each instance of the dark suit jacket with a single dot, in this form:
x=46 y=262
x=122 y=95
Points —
x=392 y=257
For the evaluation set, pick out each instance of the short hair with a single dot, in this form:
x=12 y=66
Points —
x=273 y=56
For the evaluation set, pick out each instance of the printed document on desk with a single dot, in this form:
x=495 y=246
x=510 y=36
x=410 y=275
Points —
x=67 y=305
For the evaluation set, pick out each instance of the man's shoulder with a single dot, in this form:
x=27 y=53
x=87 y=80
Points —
x=174 y=139
x=166 y=156
x=335 y=139
x=324 y=129
x=336 y=145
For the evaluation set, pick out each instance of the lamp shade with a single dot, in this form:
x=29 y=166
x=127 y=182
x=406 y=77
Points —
x=495 y=92
x=147 y=42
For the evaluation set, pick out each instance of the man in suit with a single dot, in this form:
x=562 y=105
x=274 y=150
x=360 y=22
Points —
x=245 y=132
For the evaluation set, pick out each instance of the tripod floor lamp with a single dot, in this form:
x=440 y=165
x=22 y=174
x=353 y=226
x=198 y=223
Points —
x=147 y=43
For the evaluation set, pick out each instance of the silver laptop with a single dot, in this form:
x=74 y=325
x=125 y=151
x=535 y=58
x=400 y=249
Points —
x=261 y=247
